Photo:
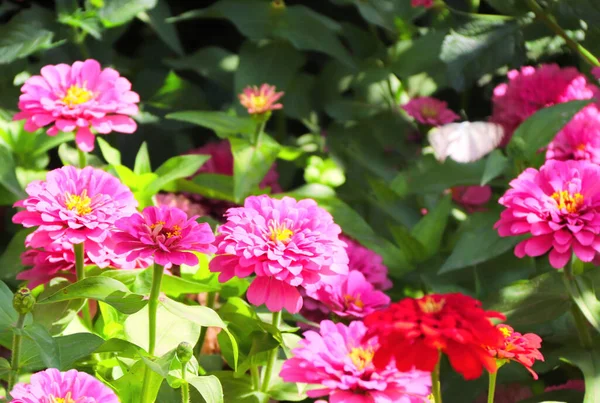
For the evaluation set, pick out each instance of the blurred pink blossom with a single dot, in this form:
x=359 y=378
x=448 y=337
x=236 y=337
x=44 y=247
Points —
x=430 y=111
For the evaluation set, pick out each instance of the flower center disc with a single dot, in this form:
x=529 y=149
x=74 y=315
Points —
x=429 y=112
x=66 y=399
x=80 y=203
x=258 y=101
x=158 y=228
x=77 y=95
x=571 y=203
x=280 y=233
x=361 y=357
x=351 y=299
x=428 y=304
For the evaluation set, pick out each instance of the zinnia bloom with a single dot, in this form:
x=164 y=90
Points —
x=78 y=97
x=72 y=386
x=472 y=198
x=430 y=111
x=413 y=331
x=579 y=139
x=165 y=233
x=74 y=205
x=339 y=359
x=368 y=263
x=532 y=89
x=260 y=100
x=558 y=205
x=424 y=3
x=286 y=243
x=182 y=202
x=522 y=348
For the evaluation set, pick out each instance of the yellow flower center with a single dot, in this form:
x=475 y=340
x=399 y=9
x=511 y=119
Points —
x=505 y=331
x=361 y=357
x=77 y=95
x=79 y=203
x=281 y=233
x=581 y=147
x=66 y=399
x=565 y=200
x=351 y=299
x=258 y=101
x=429 y=112
x=428 y=304
x=175 y=231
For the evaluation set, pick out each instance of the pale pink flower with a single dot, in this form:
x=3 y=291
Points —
x=424 y=3
x=181 y=202
x=559 y=206
x=260 y=100
x=579 y=139
x=472 y=198
x=164 y=233
x=72 y=386
x=430 y=111
x=338 y=359
x=532 y=89
x=78 y=97
x=286 y=243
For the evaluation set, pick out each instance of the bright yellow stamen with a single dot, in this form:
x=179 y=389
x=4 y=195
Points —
x=175 y=231
x=361 y=357
x=77 y=95
x=169 y=233
x=281 y=233
x=258 y=101
x=505 y=331
x=429 y=112
x=569 y=202
x=351 y=299
x=66 y=399
x=581 y=147
x=428 y=304
x=79 y=203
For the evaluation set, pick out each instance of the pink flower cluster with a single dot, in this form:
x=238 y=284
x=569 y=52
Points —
x=430 y=111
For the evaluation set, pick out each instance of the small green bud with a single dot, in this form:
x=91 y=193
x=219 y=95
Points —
x=23 y=301
x=185 y=352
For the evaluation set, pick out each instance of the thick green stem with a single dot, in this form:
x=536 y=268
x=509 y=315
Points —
x=255 y=375
x=436 y=389
x=210 y=302
x=272 y=356
x=185 y=387
x=260 y=128
x=581 y=323
x=82 y=158
x=79 y=250
x=16 y=353
x=550 y=21
x=492 y=387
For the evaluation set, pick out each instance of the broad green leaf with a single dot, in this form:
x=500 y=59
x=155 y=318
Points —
x=588 y=361
x=177 y=93
x=110 y=154
x=5 y=368
x=104 y=289
x=44 y=143
x=410 y=247
x=175 y=168
x=142 y=161
x=202 y=315
x=251 y=163
x=8 y=316
x=434 y=177
x=177 y=286
x=23 y=35
x=209 y=387
x=430 y=230
x=212 y=186
x=10 y=260
x=119 y=12
x=8 y=179
x=156 y=19
x=223 y=124
x=56 y=316
x=129 y=386
x=239 y=389
x=46 y=345
x=496 y=163
x=412 y=57
x=71 y=348
x=582 y=292
x=213 y=63
x=384 y=12
x=162 y=364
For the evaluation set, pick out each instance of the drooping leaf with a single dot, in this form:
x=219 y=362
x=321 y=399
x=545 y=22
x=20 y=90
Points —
x=175 y=168
x=223 y=124
x=209 y=387
x=23 y=35
x=8 y=179
x=496 y=164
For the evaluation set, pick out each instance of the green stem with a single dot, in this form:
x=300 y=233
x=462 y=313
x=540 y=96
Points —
x=152 y=308
x=260 y=128
x=474 y=5
x=185 y=387
x=585 y=337
x=492 y=387
x=16 y=353
x=436 y=389
x=210 y=302
x=82 y=158
x=272 y=356
x=550 y=21
x=255 y=377
x=79 y=250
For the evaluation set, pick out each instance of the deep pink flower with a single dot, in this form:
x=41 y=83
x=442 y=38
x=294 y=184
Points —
x=559 y=207
x=338 y=359
x=51 y=386
x=74 y=205
x=424 y=3
x=521 y=348
x=368 y=263
x=472 y=198
x=181 y=202
x=165 y=233
x=428 y=110
x=532 y=89
x=579 y=139
x=78 y=97
x=596 y=72
x=260 y=100
x=286 y=243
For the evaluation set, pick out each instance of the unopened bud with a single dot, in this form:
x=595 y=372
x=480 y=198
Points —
x=23 y=301
x=185 y=352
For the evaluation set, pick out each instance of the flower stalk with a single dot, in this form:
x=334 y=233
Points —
x=436 y=389
x=79 y=250
x=272 y=356
x=184 y=353
x=23 y=303
x=492 y=386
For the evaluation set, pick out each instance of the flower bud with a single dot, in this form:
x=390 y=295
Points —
x=185 y=352
x=23 y=301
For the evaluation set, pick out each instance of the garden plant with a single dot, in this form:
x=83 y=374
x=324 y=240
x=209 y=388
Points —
x=256 y=201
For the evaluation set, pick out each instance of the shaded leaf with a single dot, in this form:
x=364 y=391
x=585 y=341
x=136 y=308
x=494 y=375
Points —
x=209 y=388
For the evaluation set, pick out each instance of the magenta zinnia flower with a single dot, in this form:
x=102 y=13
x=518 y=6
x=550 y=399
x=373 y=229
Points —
x=532 y=89
x=165 y=233
x=559 y=206
x=472 y=198
x=78 y=97
x=337 y=359
x=596 y=72
x=286 y=243
x=430 y=111
x=182 y=202
x=51 y=386
x=579 y=139
x=260 y=100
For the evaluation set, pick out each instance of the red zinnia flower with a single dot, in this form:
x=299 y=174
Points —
x=413 y=331
x=522 y=348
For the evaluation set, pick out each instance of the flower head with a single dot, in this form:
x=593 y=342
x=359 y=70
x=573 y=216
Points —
x=165 y=233
x=412 y=332
x=53 y=386
x=424 y=3
x=369 y=263
x=532 y=89
x=182 y=202
x=285 y=243
x=559 y=207
x=338 y=359
x=430 y=111
x=579 y=139
x=78 y=97
x=260 y=100
x=472 y=198
x=522 y=348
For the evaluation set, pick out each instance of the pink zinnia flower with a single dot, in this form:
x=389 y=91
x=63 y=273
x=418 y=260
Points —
x=559 y=206
x=165 y=233
x=78 y=97
x=260 y=100
x=521 y=348
x=181 y=202
x=472 y=198
x=72 y=386
x=430 y=111
x=532 y=89
x=286 y=243
x=424 y=3
x=579 y=139
x=368 y=263
x=74 y=205
x=338 y=359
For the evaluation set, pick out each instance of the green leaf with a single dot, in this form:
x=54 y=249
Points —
x=8 y=178
x=495 y=165
x=129 y=386
x=156 y=19
x=177 y=286
x=411 y=247
x=8 y=316
x=212 y=186
x=209 y=387
x=434 y=177
x=10 y=260
x=385 y=12
x=223 y=124
x=410 y=57
x=430 y=229
x=110 y=154
x=69 y=349
x=239 y=389
x=175 y=168
x=588 y=361
x=582 y=292
x=119 y=12
x=56 y=316
x=46 y=345
x=104 y=289
x=540 y=128
x=162 y=364
x=22 y=36
x=5 y=368
x=201 y=315
x=251 y=163
x=213 y=63
x=142 y=161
